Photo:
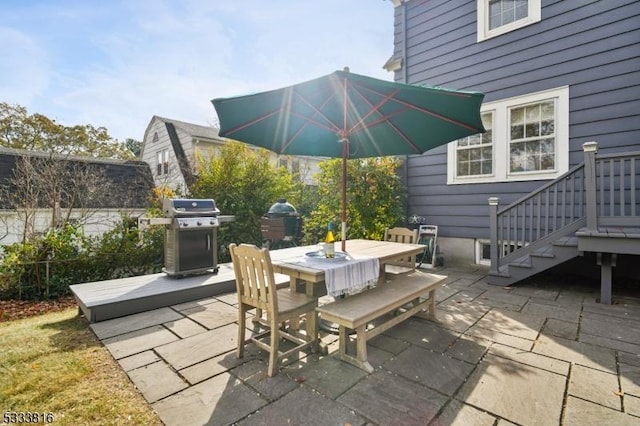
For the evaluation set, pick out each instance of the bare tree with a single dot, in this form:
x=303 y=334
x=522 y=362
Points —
x=47 y=192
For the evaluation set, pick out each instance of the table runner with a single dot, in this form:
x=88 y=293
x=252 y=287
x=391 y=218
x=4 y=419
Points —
x=348 y=276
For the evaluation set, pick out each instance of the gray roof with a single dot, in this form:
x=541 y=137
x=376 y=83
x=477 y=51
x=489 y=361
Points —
x=195 y=130
x=129 y=182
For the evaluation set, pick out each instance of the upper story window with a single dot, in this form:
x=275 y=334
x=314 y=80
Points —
x=527 y=138
x=497 y=17
x=162 y=166
x=155 y=137
x=292 y=164
x=295 y=165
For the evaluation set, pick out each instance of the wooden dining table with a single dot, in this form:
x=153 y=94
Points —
x=284 y=261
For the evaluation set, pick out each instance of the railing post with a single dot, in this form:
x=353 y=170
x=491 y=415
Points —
x=590 y=150
x=493 y=233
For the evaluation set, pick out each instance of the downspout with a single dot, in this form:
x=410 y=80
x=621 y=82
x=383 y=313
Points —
x=403 y=72
x=405 y=75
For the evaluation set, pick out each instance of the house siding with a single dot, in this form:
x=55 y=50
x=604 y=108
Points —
x=593 y=47
x=150 y=151
x=192 y=141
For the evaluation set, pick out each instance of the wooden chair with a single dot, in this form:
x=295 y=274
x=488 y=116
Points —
x=401 y=235
x=256 y=288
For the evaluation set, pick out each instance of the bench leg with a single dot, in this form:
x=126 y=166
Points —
x=432 y=304
x=343 y=339
x=360 y=360
x=361 y=346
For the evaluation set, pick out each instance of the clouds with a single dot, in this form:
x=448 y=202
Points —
x=23 y=70
x=119 y=65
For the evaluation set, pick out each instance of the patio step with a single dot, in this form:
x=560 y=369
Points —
x=103 y=300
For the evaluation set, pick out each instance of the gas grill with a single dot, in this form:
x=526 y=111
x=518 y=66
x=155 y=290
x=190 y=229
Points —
x=190 y=240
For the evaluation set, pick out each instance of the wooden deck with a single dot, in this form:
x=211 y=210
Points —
x=103 y=300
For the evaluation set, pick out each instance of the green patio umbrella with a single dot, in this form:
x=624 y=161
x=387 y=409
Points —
x=346 y=115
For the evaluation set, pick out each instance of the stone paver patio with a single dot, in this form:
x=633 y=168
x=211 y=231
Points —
x=541 y=353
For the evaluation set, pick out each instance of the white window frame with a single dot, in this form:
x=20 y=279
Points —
x=479 y=259
x=506 y=249
x=501 y=131
x=165 y=164
x=534 y=15
x=159 y=163
x=162 y=167
x=493 y=152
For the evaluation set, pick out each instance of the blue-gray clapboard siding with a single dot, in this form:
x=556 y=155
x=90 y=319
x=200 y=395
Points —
x=591 y=46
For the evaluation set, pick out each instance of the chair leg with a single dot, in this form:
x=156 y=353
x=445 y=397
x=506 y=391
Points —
x=273 y=352
x=242 y=310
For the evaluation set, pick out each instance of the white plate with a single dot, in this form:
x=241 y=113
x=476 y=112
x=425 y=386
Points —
x=340 y=256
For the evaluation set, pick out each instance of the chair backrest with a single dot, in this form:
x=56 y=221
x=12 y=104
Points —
x=402 y=235
x=255 y=281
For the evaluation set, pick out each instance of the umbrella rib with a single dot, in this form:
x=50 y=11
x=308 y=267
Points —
x=252 y=122
x=362 y=126
x=317 y=110
x=373 y=109
x=382 y=118
x=440 y=116
x=311 y=120
x=416 y=108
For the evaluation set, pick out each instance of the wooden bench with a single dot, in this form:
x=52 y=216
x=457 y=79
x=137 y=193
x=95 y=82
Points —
x=395 y=300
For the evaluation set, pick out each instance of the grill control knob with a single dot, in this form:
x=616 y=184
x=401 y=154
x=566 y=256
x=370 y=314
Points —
x=212 y=222
x=199 y=223
x=185 y=224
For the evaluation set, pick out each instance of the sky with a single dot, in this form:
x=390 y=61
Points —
x=116 y=63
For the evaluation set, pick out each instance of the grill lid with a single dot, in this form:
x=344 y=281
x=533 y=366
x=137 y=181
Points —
x=282 y=208
x=182 y=207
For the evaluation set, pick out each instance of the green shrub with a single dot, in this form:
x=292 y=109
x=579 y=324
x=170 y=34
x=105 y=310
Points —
x=46 y=265
x=375 y=198
x=244 y=183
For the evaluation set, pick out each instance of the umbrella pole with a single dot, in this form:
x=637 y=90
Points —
x=344 y=197
x=345 y=155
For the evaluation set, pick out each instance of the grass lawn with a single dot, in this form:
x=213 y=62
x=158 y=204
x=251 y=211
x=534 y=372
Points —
x=53 y=363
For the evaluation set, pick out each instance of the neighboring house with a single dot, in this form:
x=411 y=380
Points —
x=556 y=75
x=39 y=190
x=171 y=146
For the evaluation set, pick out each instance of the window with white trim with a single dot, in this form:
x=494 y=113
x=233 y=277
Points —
x=474 y=154
x=527 y=138
x=483 y=250
x=532 y=137
x=162 y=166
x=497 y=17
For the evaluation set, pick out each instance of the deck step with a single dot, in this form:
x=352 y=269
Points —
x=103 y=300
x=569 y=241
x=522 y=262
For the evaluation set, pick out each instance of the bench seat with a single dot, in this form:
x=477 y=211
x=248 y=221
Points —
x=402 y=296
